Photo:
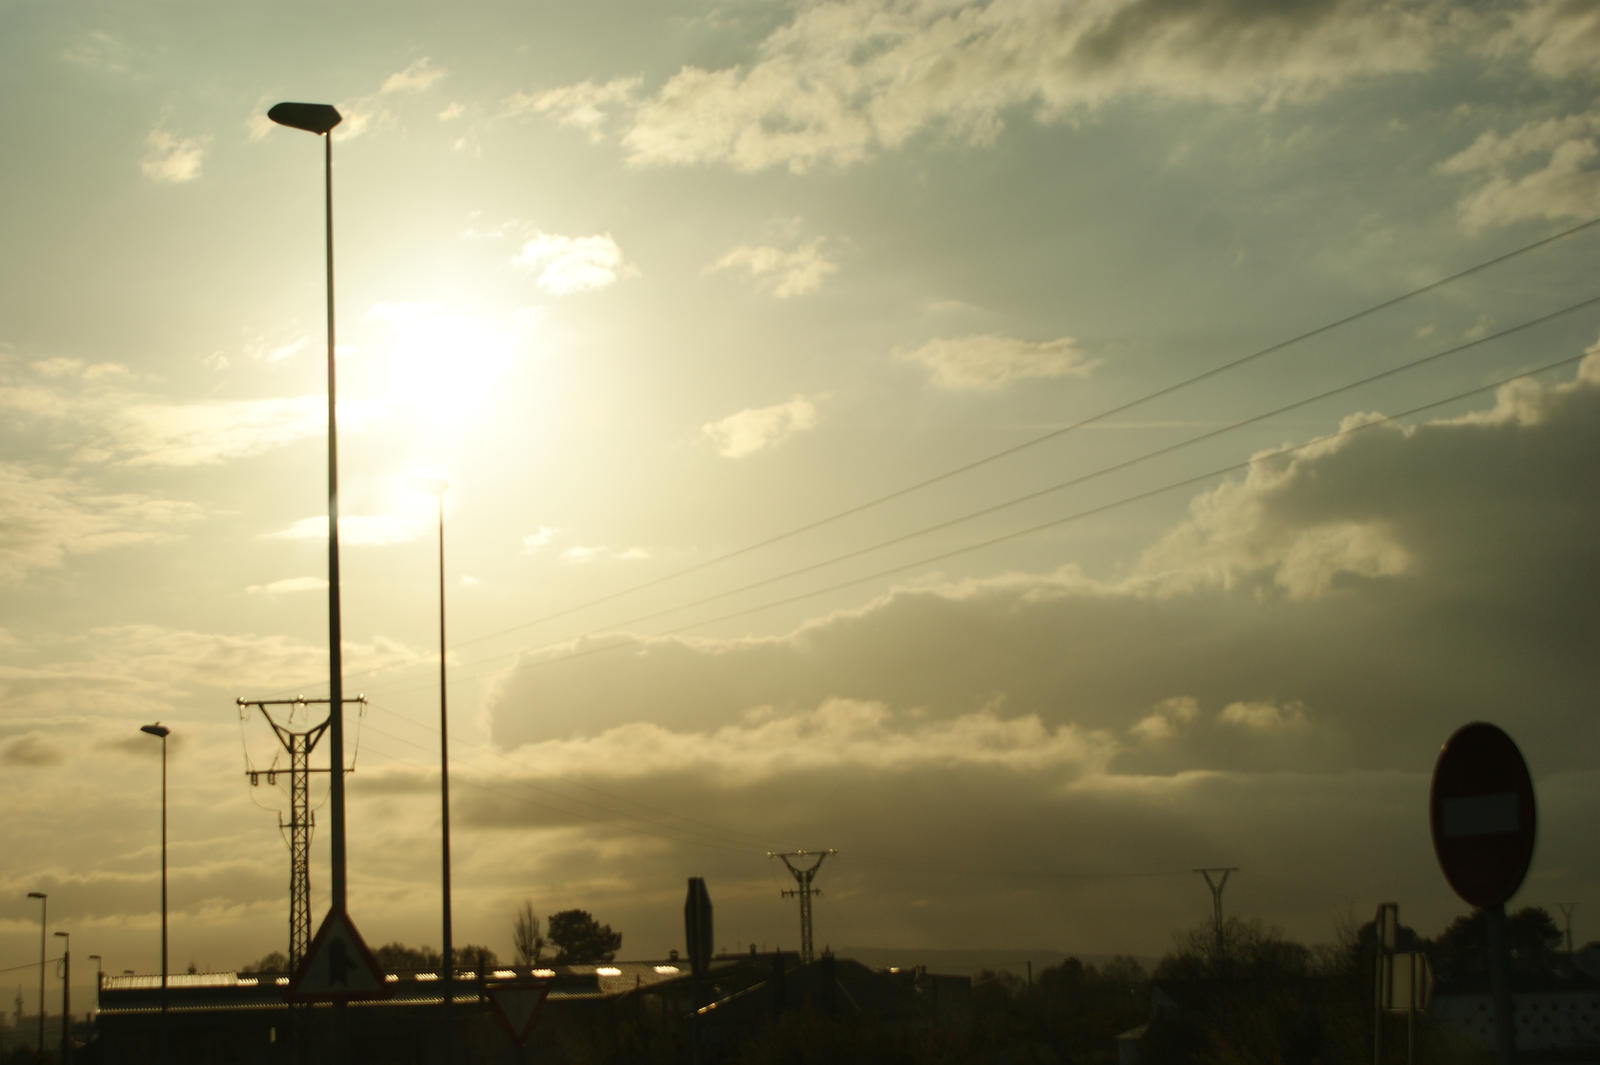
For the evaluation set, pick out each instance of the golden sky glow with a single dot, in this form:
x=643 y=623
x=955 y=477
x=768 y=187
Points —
x=825 y=395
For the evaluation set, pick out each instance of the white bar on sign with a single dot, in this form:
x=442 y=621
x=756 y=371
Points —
x=1480 y=815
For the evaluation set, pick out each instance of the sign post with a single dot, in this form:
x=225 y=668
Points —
x=697 y=939
x=1484 y=819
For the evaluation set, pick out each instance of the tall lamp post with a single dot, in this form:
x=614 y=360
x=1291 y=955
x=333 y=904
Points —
x=66 y=997
x=437 y=488
x=161 y=732
x=44 y=912
x=320 y=120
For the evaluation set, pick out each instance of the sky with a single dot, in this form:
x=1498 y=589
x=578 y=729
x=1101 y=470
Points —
x=1035 y=449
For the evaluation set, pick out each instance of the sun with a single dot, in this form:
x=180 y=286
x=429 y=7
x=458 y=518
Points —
x=437 y=368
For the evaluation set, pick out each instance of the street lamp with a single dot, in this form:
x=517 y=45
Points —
x=161 y=731
x=66 y=997
x=44 y=910
x=320 y=119
x=437 y=488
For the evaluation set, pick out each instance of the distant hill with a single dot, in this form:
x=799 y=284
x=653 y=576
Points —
x=970 y=962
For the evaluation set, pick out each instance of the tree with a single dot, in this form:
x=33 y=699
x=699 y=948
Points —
x=1250 y=951
x=469 y=954
x=271 y=962
x=526 y=942
x=397 y=955
x=1461 y=951
x=579 y=938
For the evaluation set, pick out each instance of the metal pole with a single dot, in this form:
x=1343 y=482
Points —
x=335 y=663
x=164 y=970
x=161 y=732
x=99 y=978
x=1411 y=1011
x=1505 y=1038
x=444 y=801
x=44 y=919
x=66 y=999
x=1377 y=1001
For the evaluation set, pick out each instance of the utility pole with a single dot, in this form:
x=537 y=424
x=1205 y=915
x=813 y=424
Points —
x=301 y=819
x=1216 y=887
x=1566 y=911
x=803 y=877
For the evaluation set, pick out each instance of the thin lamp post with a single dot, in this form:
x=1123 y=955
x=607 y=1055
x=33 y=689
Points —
x=99 y=978
x=161 y=732
x=437 y=488
x=44 y=913
x=320 y=120
x=66 y=997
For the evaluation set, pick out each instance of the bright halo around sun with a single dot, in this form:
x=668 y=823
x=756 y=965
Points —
x=439 y=367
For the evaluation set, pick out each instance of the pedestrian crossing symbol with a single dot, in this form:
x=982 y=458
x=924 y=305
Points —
x=338 y=965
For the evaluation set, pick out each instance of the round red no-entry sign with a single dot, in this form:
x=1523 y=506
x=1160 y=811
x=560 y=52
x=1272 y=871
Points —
x=1482 y=812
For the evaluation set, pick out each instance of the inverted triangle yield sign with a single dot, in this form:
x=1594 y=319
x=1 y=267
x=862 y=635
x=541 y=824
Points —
x=518 y=1006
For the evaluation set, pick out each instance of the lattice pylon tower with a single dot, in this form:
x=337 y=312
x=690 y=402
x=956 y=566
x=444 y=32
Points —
x=803 y=877
x=301 y=818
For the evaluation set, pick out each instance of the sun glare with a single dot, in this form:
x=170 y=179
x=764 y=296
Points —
x=440 y=367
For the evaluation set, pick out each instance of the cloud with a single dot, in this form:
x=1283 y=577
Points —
x=581 y=555
x=1560 y=38
x=990 y=362
x=574 y=264
x=45 y=519
x=203 y=434
x=1264 y=716
x=1167 y=719
x=750 y=431
x=536 y=540
x=837 y=735
x=290 y=585
x=1397 y=581
x=779 y=272
x=358 y=530
x=29 y=751
x=420 y=76
x=170 y=158
x=843 y=80
x=99 y=50
x=123 y=426
x=1560 y=181
x=581 y=106
x=1097 y=739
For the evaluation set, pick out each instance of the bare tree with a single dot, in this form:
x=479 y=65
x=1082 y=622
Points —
x=525 y=938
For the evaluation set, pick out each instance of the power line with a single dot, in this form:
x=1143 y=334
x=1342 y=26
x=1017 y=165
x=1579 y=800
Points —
x=1034 y=442
x=1017 y=534
x=1079 y=515
x=1114 y=468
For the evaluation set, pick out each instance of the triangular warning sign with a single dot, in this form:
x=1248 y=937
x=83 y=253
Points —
x=518 y=1006
x=338 y=964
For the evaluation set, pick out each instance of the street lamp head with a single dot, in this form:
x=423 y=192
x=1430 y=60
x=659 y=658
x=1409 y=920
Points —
x=64 y=935
x=158 y=729
x=37 y=895
x=313 y=118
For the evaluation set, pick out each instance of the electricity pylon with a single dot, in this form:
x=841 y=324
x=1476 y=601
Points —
x=803 y=877
x=301 y=818
x=1216 y=887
